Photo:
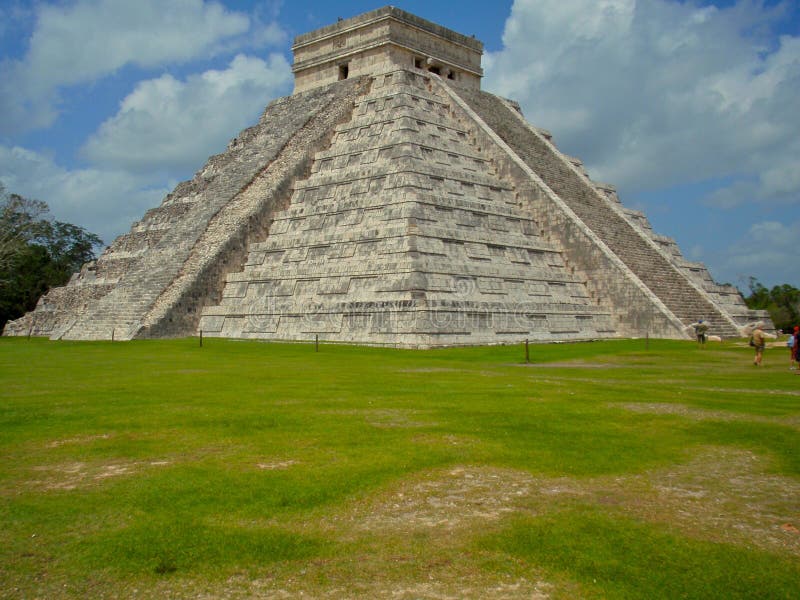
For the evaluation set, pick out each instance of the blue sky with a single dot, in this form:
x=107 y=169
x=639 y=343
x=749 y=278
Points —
x=689 y=107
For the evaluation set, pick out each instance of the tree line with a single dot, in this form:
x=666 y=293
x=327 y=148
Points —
x=781 y=301
x=37 y=252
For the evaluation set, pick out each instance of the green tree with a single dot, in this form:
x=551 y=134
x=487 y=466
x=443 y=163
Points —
x=782 y=302
x=20 y=223
x=36 y=253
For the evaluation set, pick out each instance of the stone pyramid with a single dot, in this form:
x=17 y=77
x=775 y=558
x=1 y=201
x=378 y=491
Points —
x=390 y=201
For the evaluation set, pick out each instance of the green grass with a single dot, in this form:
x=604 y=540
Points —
x=170 y=469
x=616 y=557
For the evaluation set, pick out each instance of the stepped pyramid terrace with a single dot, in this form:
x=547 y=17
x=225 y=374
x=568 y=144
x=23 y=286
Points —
x=389 y=200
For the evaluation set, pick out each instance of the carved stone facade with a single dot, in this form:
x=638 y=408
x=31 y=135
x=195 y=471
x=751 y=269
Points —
x=390 y=202
x=381 y=41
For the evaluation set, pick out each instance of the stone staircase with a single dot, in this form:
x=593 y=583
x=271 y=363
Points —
x=726 y=296
x=404 y=234
x=685 y=300
x=118 y=314
x=124 y=312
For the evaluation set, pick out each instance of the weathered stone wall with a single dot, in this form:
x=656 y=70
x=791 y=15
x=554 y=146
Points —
x=610 y=282
x=61 y=305
x=404 y=234
x=380 y=41
x=243 y=220
x=566 y=179
x=144 y=262
x=725 y=296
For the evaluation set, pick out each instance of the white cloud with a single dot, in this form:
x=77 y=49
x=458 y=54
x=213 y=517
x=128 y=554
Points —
x=651 y=93
x=104 y=202
x=734 y=194
x=164 y=130
x=85 y=40
x=268 y=34
x=167 y=124
x=768 y=251
x=94 y=37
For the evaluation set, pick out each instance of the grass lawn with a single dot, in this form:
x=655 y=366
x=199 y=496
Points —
x=246 y=469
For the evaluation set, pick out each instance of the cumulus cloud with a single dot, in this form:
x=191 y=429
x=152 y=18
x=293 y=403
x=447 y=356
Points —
x=165 y=129
x=768 y=250
x=167 y=124
x=85 y=40
x=104 y=202
x=650 y=93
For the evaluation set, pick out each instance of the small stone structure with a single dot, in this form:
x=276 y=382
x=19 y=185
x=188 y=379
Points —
x=382 y=41
x=390 y=201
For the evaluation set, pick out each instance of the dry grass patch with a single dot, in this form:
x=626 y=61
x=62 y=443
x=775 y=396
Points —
x=361 y=577
x=391 y=418
x=85 y=439
x=715 y=390
x=75 y=475
x=279 y=465
x=459 y=498
x=567 y=365
x=724 y=495
x=699 y=414
x=387 y=418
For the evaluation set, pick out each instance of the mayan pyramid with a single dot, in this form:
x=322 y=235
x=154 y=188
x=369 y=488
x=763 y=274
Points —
x=389 y=201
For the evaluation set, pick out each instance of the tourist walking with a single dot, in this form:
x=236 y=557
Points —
x=700 y=330
x=796 y=349
x=758 y=340
x=791 y=343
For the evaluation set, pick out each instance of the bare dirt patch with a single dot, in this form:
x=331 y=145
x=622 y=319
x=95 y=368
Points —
x=86 y=439
x=449 y=439
x=699 y=414
x=388 y=418
x=445 y=588
x=431 y=370
x=413 y=534
x=566 y=365
x=280 y=465
x=716 y=390
x=514 y=589
x=73 y=475
x=728 y=495
x=723 y=494
x=482 y=373
x=450 y=583
x=454 y=499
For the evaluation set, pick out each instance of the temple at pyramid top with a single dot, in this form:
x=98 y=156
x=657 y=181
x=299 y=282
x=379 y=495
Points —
x=380 y=41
